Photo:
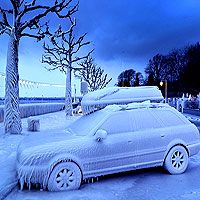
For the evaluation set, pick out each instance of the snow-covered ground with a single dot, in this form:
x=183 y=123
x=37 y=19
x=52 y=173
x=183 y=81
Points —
x=150 y=184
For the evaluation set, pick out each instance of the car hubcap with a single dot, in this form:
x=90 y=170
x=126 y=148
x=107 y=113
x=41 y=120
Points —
x=177 y=159
x=65 y=178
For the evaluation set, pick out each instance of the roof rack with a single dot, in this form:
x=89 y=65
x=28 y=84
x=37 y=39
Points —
x=99 y=99
x=132 y=106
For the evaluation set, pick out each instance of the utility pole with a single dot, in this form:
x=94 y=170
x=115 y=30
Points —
x=166 y=99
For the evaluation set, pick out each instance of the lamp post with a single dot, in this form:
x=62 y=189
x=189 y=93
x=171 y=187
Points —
x=161 y=84
x=74 y=92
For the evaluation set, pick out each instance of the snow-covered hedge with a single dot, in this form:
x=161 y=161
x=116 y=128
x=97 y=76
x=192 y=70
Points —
x=28 y=110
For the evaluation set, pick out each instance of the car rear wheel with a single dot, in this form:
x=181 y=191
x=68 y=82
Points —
x=176 y=161
x=65 y=176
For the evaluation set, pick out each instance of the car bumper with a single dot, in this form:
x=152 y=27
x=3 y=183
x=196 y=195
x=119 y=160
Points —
x=193 y=149
x=33 y=175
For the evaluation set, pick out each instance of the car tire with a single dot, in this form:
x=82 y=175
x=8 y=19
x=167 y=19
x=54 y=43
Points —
x=176 y=160
x=65 y=176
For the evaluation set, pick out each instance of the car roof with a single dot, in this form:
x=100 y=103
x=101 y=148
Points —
x=111 y=109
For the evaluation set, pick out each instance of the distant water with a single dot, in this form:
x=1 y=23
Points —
x=26 y=100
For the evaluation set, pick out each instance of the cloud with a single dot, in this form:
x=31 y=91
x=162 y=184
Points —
x=138 y=29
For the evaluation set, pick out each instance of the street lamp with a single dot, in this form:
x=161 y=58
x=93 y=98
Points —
x=161 y=84
x=74 y=92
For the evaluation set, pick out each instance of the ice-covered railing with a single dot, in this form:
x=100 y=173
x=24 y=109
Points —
x=27 y=110
x=119 y=95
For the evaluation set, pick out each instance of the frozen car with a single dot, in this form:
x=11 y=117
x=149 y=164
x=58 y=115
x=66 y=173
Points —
x=114 y=139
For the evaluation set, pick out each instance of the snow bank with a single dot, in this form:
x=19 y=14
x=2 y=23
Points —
x=119 y=95
x=27 y=110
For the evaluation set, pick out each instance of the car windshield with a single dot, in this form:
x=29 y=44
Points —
x=87 y=123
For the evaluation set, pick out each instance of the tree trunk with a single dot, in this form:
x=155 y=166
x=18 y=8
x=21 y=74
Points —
x=68 y=96
x=12 y=120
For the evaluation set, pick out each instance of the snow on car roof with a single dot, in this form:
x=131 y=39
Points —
x=135 y=105
x=119 y=95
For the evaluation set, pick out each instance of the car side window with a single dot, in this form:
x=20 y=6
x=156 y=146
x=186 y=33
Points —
x=169 y=118
x=117 y=123
x=144 y=119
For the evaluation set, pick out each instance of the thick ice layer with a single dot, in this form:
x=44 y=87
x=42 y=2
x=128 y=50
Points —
x=119 y=95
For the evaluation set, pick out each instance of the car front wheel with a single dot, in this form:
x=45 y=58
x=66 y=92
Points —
x=65 y=176
x=176 y=161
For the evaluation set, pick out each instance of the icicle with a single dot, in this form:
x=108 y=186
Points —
x=29 y=186
x=21 y=183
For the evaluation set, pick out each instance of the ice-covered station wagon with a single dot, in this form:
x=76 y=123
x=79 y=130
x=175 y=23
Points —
x=115 y=139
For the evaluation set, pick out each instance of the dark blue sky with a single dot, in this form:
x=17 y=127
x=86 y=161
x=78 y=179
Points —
x=125 y=34
x=137 y=29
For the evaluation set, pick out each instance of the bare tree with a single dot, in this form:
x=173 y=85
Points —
x=156 y=69
x=126 y=78
x=92 y=74
x=23 y=20
x=62 y=54
x=139 y=80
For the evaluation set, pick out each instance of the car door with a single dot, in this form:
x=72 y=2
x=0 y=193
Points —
x=114 y=154
x=148 y=137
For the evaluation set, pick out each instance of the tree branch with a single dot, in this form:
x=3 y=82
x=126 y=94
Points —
x=26 y=10
x=93 y=74
x=4 y=24
x=38 y=37
x=40 y=33
x=57 y=8
x=15 y=6
x=81 y=58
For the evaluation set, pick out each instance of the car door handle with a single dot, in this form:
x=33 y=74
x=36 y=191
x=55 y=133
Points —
x=129 y=141
x=163 y=135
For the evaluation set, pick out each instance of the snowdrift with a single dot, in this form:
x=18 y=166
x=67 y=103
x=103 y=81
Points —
x=119 y=95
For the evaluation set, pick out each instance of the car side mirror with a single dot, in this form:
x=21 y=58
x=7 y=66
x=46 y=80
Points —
x=100 y=135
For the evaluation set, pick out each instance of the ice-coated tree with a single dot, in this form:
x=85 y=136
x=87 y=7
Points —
x=18 y=19
x=62 y=53
x=92 y=74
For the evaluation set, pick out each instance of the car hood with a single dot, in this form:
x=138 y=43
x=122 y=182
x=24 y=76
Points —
x=41 y=146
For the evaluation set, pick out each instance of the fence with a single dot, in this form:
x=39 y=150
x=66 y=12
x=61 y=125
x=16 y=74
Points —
x=27 y=110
